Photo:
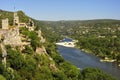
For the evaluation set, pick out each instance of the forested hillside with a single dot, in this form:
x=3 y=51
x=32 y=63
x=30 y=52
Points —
x=53 y=36
x=40 y=60
x=99 y=37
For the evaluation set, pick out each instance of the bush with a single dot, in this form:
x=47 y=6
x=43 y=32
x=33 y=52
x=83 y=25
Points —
x=15 y=59
x=95 y=74
x=28 y=50
x=70 y=70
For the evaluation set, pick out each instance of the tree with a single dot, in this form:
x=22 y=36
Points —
x=15 y=59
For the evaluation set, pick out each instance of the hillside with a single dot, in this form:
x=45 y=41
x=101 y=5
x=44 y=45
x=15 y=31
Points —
x=30 y=54
x=99 y=37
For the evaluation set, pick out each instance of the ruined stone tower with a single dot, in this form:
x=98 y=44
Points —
x=30 y=25
x=5 y=23
x=16 y=19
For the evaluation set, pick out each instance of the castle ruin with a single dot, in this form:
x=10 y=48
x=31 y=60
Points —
x=11 y=36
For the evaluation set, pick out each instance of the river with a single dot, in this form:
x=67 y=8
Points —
x=83 y=60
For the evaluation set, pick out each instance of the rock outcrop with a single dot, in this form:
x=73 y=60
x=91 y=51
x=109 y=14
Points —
x=12 y=37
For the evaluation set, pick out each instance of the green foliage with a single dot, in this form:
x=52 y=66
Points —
x=57 y=58
x=48 y=32
x=15 y=59
x=45 y=71
x=59 y=76
x=0 y=54
x=95 y=74
x=23 y=17
x=10 y=74
x=32 y=35
x=71 y=71
x=29 y=68
x=30 y=64
x=28 y=50
x=6 y=14
x=1 y=68
x=103 y=47
x=2 y=78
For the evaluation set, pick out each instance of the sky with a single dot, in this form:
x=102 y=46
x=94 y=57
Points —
x=54 y=10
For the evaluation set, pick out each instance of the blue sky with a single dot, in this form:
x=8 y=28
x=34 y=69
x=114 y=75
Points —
x=65 y=9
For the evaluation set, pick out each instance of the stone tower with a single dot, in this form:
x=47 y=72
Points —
x=5 y=23
x=30 y=25
x=16 y=19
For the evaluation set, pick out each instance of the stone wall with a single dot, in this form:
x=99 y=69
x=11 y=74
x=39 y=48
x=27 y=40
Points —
x=12 y=37
x=2 y=32
x=5 y=23
x=16 y=19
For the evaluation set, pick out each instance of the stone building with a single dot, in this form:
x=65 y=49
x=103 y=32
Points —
x=22 y=25
x=30 y=25
x=16 y=19
x=12 y=36
x=5 y=23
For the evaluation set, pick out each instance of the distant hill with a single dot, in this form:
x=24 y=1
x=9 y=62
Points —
x=63 y=27
x=77 y=22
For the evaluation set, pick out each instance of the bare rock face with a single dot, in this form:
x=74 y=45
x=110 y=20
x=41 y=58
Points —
x=12 y=37
x=52 y=66
x=41 y=50
x=41 y=37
